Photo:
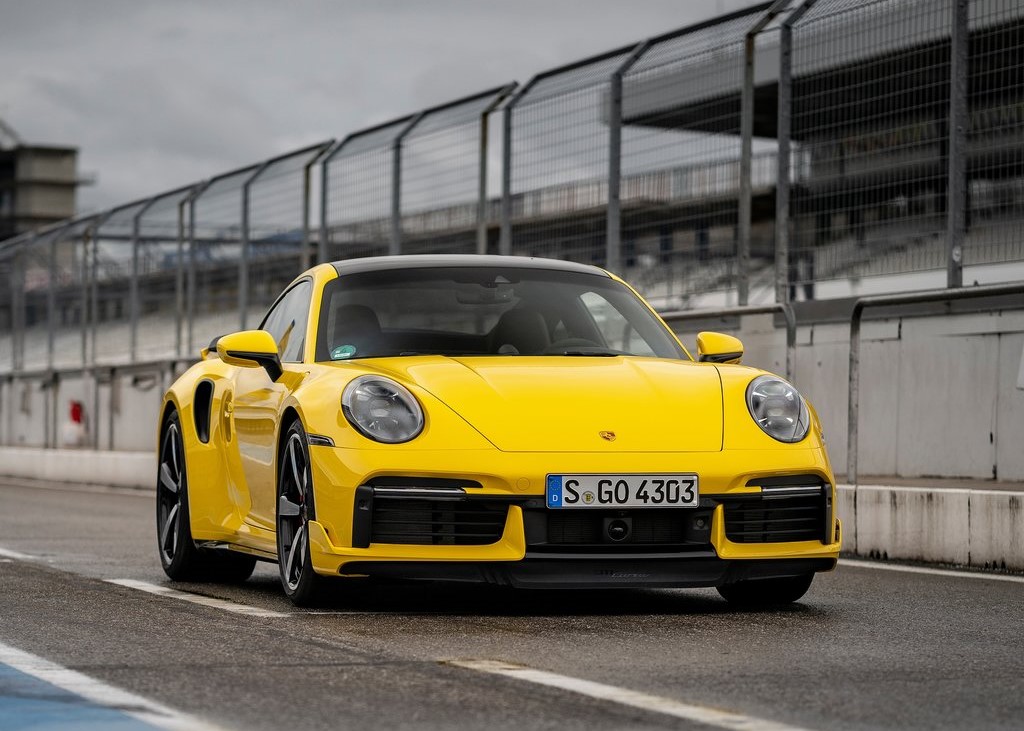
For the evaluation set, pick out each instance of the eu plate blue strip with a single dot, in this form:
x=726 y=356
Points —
x=31 y=704
x=554 y=491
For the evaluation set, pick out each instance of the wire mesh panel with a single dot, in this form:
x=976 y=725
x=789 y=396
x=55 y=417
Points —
x=559 y=162
x=12 y=302
x=358 y=202
x=162 y=267
x=440 y=179
x=278 y=227
x=681 y=149
x=214 y=251
x=870 y=132
x=114 y=266
x=77 y=273
x=995 y=139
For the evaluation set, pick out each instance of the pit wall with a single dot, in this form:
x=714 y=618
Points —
x=940 y=393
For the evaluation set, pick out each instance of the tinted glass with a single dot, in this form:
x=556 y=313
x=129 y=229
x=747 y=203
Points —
x=503 y=311
x=287 y=321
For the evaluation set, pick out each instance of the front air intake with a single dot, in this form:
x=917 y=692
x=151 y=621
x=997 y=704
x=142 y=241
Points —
x=426 y=522
x=776 y=518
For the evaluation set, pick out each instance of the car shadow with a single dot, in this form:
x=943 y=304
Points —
x=422 y=597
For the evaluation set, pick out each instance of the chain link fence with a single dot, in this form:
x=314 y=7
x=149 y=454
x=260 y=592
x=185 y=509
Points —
x=792 y=150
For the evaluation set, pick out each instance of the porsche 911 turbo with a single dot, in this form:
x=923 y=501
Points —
x=512 y=420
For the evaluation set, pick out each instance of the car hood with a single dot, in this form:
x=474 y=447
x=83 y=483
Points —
x=565 y=403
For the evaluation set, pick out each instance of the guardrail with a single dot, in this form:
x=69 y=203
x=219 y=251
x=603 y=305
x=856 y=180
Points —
x=894 y=300
x=783 y=307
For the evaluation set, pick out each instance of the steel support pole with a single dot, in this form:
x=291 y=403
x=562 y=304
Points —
x=323 y=241
x=395 y=242
x=306 y=255
x=179 y=277
x=18 y=311
x=613 y=219
x=746 y=151
x=51 y=301
x=956 y=215
x=746 y=147
x=190 y=289
x=84 y=301
x=784 y=132
x=912 y=298
x=92 y=232
x=481 y=204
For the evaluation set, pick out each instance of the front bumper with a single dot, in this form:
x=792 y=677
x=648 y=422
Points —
x=516 y=559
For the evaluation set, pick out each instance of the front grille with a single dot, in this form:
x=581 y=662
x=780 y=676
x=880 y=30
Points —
x=591 y=530
x=776 y=519
x=569 y=527
x=437 y=522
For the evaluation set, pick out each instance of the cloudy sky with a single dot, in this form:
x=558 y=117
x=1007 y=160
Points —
x=160 y=94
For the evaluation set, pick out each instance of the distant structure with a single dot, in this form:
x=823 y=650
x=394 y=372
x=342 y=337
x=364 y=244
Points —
x=37 y=183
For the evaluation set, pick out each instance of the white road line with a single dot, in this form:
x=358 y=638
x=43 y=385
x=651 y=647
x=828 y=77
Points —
x=17 y=556
x=99 y=693
x=853 y=563
x=623 y=696
x=205 y=601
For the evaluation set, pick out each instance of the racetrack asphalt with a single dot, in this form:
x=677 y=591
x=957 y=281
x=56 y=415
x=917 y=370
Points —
x=865 y=649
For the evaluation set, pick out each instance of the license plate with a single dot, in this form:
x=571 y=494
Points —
x=617 y=491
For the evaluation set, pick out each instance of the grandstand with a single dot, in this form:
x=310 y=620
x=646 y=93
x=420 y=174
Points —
x=869 y=146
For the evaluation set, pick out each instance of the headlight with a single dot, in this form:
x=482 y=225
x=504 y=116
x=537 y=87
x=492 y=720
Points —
x=778 y=408
x=382 y=410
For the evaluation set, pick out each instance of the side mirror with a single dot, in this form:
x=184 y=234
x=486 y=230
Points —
x=251 y=349
x=718 y=348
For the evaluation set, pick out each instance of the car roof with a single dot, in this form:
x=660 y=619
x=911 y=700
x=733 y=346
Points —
x=427 y=261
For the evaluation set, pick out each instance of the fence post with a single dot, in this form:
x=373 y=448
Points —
x=395 y=243
x=784 y=127
x=323 y=242
x=51 y=301
x=613 y=219
x=179 y=276
x=190 y=293
x=746 y=150
x=18 y=310
x=957 y=183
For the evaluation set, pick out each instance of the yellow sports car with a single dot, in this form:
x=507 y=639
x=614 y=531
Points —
x=477 y=418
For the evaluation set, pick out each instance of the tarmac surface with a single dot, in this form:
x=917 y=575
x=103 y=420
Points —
x=865 y=649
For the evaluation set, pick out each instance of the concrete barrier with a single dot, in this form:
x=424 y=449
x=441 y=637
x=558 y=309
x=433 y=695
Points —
x=119 y=469
x=968 y=527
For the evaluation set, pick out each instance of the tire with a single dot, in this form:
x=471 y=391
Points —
x=179 y=557
x=295 y=508
x=766 y=592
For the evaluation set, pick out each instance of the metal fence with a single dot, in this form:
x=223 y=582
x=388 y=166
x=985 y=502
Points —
x=793 y=149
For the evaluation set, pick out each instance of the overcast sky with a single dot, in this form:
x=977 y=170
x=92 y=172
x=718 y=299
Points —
x=160 y=94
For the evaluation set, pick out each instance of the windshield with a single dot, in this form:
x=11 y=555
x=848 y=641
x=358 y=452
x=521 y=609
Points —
x=500 y=311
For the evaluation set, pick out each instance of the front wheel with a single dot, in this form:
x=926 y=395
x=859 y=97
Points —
x=295 y=509
x=179 y=557
x=766 y=592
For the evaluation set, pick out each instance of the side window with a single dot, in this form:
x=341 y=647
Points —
x=615 y=328
x=287 y=322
